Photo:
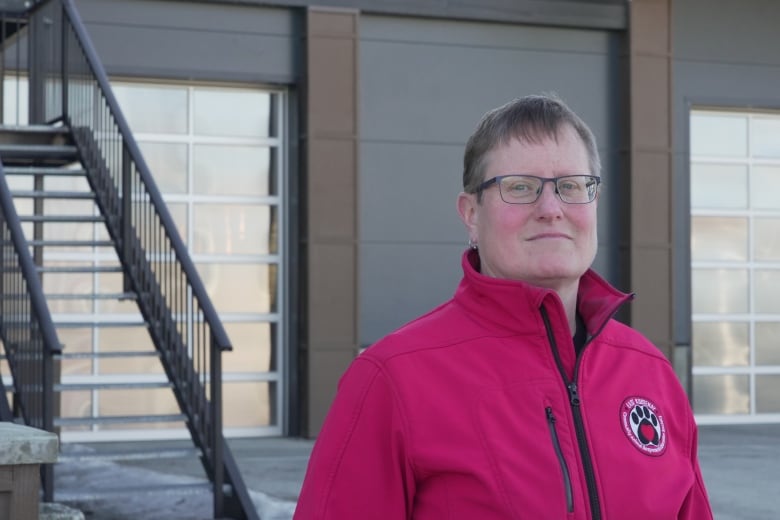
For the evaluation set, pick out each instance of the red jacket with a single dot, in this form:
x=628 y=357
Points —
x=481 y=410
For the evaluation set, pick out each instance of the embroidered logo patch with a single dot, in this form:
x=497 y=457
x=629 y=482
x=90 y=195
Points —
x=644 y=426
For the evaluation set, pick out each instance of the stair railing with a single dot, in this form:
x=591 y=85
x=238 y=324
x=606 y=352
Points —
x=27 y=332
x=73 y=88
x=26 y=328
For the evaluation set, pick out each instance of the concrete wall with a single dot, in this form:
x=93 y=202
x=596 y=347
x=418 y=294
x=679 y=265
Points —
x=423 y=86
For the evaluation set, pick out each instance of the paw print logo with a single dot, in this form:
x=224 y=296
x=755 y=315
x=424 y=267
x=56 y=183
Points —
x=644 y=426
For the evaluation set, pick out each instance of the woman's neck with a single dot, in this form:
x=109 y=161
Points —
x=568 y=296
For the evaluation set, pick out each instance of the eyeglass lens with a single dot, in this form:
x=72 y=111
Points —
x=573 y=189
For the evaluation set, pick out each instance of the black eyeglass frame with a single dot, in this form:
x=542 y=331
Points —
x=498 y=178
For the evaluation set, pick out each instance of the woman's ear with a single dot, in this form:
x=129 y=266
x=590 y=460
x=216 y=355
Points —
x=468 y=211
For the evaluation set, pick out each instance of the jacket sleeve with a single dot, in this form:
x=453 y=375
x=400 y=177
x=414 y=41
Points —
x=696 y=505
x=359 y=466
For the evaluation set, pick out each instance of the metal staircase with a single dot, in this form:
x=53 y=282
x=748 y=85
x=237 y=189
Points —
x=88 y=246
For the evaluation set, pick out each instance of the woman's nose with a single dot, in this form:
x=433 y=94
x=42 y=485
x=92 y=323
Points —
x=549 y=203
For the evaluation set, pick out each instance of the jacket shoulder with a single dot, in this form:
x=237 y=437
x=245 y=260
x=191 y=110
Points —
x=444 y=326
x=620 y=335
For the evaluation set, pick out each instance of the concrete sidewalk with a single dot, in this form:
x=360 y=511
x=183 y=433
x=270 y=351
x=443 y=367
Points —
x=741 y=467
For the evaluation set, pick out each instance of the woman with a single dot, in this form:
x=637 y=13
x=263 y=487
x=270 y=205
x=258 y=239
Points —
x=520 y=397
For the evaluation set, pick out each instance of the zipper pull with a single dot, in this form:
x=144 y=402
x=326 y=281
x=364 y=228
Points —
x=550 y=416
x=574 y=396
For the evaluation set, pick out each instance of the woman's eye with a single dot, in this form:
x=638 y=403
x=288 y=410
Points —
x=519 y=187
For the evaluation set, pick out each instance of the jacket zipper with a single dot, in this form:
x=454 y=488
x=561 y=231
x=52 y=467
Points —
x=579 y=425
x=561 y=460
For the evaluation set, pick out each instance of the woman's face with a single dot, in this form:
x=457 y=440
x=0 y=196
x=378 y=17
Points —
x=547 y=243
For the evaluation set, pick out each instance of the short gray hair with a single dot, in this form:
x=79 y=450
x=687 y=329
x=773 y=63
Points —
x=529 y=119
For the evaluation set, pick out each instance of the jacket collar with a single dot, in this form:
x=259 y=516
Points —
x=514 y=305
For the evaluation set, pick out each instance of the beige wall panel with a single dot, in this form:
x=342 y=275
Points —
x=649 y=26
x=332 y=190
x=325 y=369
x=651 y=309
x=332 y=23
x=332 y=87
x=330 y=331
x=651 y=196
x=650 y=190
x=650 y=102
x=332 y=305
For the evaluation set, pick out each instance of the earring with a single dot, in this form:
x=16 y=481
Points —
x=472 y=244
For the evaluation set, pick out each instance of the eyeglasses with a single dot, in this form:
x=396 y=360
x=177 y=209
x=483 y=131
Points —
x=526 y=189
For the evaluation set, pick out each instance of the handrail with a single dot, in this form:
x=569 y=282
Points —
x=73 y=88
x=38 y=308
x=28 y=333
x=210 y=313
x=30 y=341
x=69 y=86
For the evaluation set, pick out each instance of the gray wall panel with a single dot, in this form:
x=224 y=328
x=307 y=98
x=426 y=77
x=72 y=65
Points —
x=745 y=85
x=201 y=42
x=171 y=14
x=433 y=97
x=436 y=93
x=725 y=31
x=598 y=14
x=464 y=34
x=192 y=55
x=613 y=221
x=404 y=281
x=725 y=54
x=423 y=86
x=408 y=193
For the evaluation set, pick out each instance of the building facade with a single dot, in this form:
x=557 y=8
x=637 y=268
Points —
x=311 y=155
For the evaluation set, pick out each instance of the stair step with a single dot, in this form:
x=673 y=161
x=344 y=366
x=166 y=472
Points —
x=92 y=296
x=103 y=355
x=47 y=194
x=33 y=129
x=92 y=324
x=15 y=154
x=81 y=269
x=118 y=419
x=128 y=491
x=44 y=170
x=81 y=324
x=126 y=455
x=28 y=345
x=72 y=243
x=67 y=219
x=34 y=134
x=69 y=387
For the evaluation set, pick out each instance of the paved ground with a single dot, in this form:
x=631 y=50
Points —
x=741 y=467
